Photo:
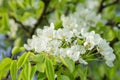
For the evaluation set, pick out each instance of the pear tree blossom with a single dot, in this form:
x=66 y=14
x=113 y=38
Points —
x=62 y=42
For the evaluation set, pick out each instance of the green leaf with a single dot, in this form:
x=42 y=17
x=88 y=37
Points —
x=38 y=58
x=80 y=41
x=12 y=5
x=40 y=67
x=4 y=66
x=49 y=69
x=18 y=42
x=109 y=35
x=22 y=59
x=69 y=63
x=41 y=76
x=5 y=23
x=27 y=70
x=20 y=4
x=63 y=77
x=16 y=50
x=21 y=75
x=58 y=24
x=40 y=9
x=111 y=10
x=53 y=59
x=111 y=72
x=82 y=71
x=117 y=33
x=33 y=70
x=68 y=74
x=117 y=19
x=117 y=46
x=5 y=63
x=13 y=69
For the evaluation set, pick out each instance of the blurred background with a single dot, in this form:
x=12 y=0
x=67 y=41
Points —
x=19 y=20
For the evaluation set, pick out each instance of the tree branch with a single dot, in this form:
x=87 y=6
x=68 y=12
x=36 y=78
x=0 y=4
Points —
x=110 y=22
x=46 y=3
x=102 y=6
x=50 y=11
x=112 y=3
x=18 y=22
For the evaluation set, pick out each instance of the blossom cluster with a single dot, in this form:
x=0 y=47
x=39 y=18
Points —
x=13 y=28
x=73 y=40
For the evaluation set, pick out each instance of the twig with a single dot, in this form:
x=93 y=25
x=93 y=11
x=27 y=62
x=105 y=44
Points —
x=102 y=6
x=112 y=3
x=68 y=6
x=46 y=2
x=105 y=77
x=113 y=42
x=111 y=23
x=18 y=22
x=50 y=11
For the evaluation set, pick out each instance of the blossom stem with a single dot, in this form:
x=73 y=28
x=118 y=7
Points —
x=92 y=55
x=90 y=51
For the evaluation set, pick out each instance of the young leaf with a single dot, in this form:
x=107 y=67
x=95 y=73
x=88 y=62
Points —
x=4 y=67
x=41 y=76
x=27 y=70
x=109 y=34
x=68 y=63
x=38 y=58
x=5 y=23
x=40 y=67
x=16 y=50
x=80 y=41
x=23 y=59
x=116 y=47
x=21 y=75
x=63 y=77
x=49 y=69
x=5 y=64
x=13 y=69
x=40 y=9
x=82 y=72
x=33 y=70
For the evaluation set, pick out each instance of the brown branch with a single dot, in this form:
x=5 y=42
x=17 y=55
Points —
x=46 y=3
x=68 y=6
x=18 y=22
x=102 y=6
x=112 y=3
x=50 y=11
x=111 y=23
x=113 y=42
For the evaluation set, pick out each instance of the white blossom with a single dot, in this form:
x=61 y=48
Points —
x=92 y=39
x=63 y=41
x=64 y=34
x=82 y=61
x=106 y=51
x=13 y=28
x=92 y=4
x=75 y=51
x=30 y=22
x=69 y=22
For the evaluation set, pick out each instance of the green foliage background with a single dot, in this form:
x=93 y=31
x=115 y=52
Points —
x=17 y=64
